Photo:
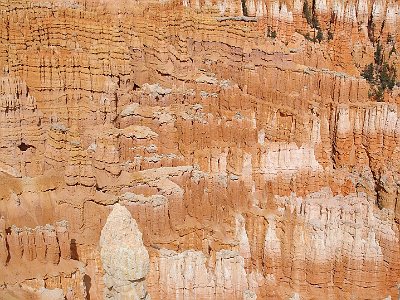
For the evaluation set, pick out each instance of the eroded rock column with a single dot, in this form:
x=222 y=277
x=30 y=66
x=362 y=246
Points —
x=124 y=257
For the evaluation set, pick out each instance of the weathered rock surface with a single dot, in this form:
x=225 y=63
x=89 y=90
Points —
x=240 y=158
x=124 y=257
x=37 y=263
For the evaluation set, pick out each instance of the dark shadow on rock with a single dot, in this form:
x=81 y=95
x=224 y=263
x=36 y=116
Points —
x=8 y=232
x=73 y=249
x=88 y=284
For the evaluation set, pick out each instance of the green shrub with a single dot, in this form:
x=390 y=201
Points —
x=378 y=55
x=368 y=73
x=308 y=37
x=271 y=33
x=393 y=50
x=307 y=12
x=379 y=94
x=320 y=36
x=314 y=22
x=330 y=35
x=390 y=39
x=309 y=15
x=388 y=76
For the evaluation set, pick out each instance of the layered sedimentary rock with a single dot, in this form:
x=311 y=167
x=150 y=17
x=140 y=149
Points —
x=34 y=260
x=22 y=140
x=212 y=150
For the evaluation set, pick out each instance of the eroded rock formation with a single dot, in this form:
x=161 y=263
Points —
x=40 y=259
x=124 y=257
x=212 y=149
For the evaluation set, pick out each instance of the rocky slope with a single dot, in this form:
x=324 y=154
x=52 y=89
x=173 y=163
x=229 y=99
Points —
x=253 y=158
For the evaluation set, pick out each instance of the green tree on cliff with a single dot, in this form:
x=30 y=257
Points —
x=380 y=75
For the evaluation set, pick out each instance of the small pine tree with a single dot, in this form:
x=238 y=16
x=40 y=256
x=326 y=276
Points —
x=379 y=94
x=320 y=36
x=314 y=22
x=378 y=55
x=393 y=50
x=380 y=75
x=368 y=73
x=307 y=12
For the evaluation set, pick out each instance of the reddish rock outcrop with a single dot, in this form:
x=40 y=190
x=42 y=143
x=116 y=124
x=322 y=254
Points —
x=239 y=135
x=37 y=259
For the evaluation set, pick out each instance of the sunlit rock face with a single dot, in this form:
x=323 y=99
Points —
x=124 y=257
x=198 y=150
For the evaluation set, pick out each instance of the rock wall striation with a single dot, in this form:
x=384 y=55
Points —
x=198 y=150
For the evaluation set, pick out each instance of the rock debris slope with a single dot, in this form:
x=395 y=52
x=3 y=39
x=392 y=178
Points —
x=199 y=149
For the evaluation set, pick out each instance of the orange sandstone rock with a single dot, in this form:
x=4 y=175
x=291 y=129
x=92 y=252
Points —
x=253 y=160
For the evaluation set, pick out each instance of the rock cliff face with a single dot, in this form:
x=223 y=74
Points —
x=199 y=149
